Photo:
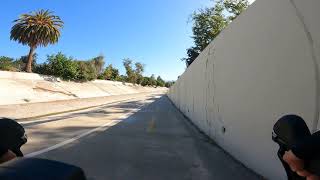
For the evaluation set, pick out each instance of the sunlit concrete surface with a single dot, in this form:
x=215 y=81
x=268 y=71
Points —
x=23 y=88
x=31 y=110
x=264 y=65
x=144 y=138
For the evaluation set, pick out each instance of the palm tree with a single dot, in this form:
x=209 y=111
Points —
x=38 y=28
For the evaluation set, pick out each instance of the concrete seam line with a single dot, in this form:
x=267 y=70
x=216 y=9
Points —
x=316 y=66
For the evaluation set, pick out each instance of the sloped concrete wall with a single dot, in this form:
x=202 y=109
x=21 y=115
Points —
x=19 y=88
x=261 y=67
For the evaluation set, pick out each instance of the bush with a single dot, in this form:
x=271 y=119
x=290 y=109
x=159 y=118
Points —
x=86 y=71
x=160 y=82
x=169 y=84
x=10 y=64
x=42 y=69
x=7 y=64
x=146 y=81
x=110 y=73
x=61 y=66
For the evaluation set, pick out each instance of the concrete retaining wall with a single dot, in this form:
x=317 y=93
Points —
x=19 y=88
x=264 y=65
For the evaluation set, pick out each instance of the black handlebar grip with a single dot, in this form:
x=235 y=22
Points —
x=287 y=131
x=290 y=129
x=12 y=135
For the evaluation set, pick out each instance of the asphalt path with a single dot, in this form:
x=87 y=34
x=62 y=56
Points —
x=145 y=138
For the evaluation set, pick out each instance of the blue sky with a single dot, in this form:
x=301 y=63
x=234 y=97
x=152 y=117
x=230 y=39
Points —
x=154 y=32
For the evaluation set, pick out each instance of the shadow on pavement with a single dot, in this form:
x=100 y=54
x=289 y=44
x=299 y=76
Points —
x=157 y=142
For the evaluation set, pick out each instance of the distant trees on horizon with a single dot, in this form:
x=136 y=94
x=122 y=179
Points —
x=68 y=68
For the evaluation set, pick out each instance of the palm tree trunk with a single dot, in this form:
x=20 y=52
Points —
x=30 y=59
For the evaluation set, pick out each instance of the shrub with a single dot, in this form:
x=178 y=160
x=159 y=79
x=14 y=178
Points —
x=7 y=64
x=145 y=81
x=169 y=84
x=110 y=73
x=85 y=71
x=160 y=82
x=61 y=66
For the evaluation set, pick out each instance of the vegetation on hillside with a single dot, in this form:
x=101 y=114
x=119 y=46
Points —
x=68 y=68
x=209 y=22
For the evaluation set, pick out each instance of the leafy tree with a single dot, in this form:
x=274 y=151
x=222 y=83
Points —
x=98 y=63
x=122 y=78
x=209 y=22
x=43 y=68
x=169 y=84
x=192 y=54
x=86 y=71
x=153 y=81
x=235 y=7
x=6 y=64
x=38 y=28
x=110 y=73
x=146 y=81
x=61 y=66
x=131 y=75
x=107 y=73
x=160 y=82
x=139 y=69
x=115 y=74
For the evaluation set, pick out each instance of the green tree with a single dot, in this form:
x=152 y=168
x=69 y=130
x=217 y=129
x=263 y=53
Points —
x=115 y=74
x=110 y=73
x=39 y=28
x=160 y=82
x=209 y=22
x=61 y=66
x=86 y=71
x=146 y=81
x=98 y=63
x=192 y=54
x=235 y=7
x=139 y=69
x=131 y=75
x=6 y=64
x=122 y=78
x=169 y=84
x=153 y=81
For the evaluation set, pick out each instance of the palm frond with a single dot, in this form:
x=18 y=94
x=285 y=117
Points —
x=38 y=28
